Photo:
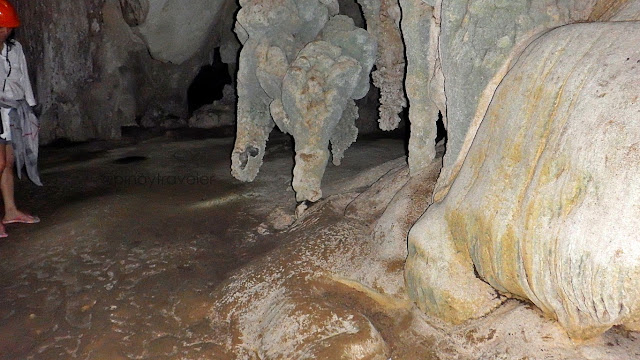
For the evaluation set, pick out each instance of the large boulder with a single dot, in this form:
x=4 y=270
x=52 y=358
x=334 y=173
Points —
x=544 y=207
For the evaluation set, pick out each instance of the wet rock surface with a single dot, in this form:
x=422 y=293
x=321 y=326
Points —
x=128 y=253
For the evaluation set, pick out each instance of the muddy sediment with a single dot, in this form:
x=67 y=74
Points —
x=134 y=238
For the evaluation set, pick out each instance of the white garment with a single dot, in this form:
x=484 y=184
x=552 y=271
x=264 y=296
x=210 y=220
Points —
x=13 y=68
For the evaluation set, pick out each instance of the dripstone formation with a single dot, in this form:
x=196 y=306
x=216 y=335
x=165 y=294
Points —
x=301 y=67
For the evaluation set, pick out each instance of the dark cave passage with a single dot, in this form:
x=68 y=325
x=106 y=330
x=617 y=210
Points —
x=441 y=129
x=207 y=86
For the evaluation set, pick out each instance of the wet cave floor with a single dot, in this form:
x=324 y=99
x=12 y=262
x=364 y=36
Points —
x=135 y=235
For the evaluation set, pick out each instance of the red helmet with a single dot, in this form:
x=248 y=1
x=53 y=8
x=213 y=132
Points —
x=8 y=15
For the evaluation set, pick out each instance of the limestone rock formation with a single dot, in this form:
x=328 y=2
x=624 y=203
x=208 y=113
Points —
x=212 y=116
x=277 y=307
x=383 y=21
x=478 y=43
x=424 y=82
x=300 y=69
x=542 y=208
x=268 y=46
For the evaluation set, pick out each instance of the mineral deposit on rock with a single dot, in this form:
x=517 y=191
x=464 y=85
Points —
x=542 y=208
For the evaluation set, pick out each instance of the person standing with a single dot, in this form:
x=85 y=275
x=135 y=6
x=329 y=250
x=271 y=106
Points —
x=18 y=125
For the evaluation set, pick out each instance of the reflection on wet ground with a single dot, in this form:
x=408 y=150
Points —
x=122 y=265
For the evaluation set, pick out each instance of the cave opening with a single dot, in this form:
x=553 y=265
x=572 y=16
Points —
x=208 y=84
x=441 y=132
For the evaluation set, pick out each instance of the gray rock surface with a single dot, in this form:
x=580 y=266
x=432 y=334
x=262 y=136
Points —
x=316 y=90
x=266 y=30
x=174 y=32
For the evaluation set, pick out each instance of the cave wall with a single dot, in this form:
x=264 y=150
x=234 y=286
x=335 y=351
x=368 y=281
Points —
x=174 y=32
x=99 y=65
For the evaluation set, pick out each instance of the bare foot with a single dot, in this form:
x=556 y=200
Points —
x=18 y=216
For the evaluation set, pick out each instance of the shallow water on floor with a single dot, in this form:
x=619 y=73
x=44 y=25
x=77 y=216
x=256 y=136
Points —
x=121 y=268
x=126 y=257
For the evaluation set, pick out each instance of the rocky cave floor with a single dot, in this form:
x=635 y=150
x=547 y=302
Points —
x=136 y=235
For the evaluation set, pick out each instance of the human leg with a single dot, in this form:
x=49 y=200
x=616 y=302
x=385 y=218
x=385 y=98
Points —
x=3 y=147
x=11 y=212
